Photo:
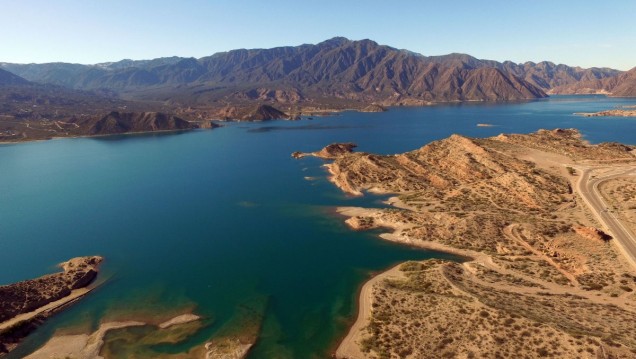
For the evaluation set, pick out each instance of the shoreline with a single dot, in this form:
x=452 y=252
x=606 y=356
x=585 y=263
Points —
x=315 y=113
x=90 y=344
x=349 y=347
x=46 y=310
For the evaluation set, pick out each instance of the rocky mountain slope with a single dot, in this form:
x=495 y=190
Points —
x=9 y=79
x=621 y=85
x=334 y=70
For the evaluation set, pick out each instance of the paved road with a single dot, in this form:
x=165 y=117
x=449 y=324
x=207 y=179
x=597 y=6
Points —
x=588 y=188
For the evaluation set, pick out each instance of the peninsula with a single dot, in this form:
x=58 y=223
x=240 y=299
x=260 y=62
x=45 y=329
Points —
x=549 y=271
x=25 y=305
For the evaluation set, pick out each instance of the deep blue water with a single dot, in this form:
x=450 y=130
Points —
x=222 y=220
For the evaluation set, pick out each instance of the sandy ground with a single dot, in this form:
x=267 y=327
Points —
x=82 y=346
x=88 y=346
x=350 y=346
x=182 y=319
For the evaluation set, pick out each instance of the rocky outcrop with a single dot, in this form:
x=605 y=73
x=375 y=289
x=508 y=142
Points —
x=331 y=151
x=336 y=150
x=374 y=108
x=592 y=233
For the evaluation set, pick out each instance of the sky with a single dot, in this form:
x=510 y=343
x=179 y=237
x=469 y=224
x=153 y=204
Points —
x=577 y=33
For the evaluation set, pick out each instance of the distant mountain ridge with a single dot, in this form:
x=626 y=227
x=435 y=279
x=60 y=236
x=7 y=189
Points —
x=9 y=79
x=334 y=70
x=621 y=85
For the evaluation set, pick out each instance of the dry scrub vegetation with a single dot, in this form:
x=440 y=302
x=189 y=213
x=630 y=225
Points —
x=542 y=279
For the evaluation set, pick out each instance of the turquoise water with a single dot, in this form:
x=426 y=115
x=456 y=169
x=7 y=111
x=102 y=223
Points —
x=224 y=220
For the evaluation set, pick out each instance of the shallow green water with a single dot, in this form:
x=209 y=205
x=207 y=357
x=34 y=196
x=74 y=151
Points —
x=225 y=221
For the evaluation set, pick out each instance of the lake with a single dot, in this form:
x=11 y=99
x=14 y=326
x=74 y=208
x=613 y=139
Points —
x=224 y=222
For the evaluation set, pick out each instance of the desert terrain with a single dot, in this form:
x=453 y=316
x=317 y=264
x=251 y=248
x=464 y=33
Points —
x=544 y=273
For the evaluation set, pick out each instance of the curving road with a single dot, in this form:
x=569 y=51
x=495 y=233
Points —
x=587 y=187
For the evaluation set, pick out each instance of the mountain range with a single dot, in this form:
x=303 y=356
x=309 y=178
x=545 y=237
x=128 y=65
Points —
x=334 y=73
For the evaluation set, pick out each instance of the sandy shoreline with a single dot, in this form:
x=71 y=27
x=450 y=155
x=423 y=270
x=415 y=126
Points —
x=83 y=346
x=89 y=345
x=51 y=307
x=350 y=345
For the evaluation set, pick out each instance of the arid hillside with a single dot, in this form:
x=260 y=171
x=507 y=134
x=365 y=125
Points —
x=542 y=278
x=620 y=85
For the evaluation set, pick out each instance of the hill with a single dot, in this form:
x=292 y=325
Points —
x=127 y=122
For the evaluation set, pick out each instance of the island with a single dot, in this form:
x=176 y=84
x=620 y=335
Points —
x=610 y=113
x=550 y=265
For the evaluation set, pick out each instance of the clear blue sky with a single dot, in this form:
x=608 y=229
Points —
x=583 y=33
